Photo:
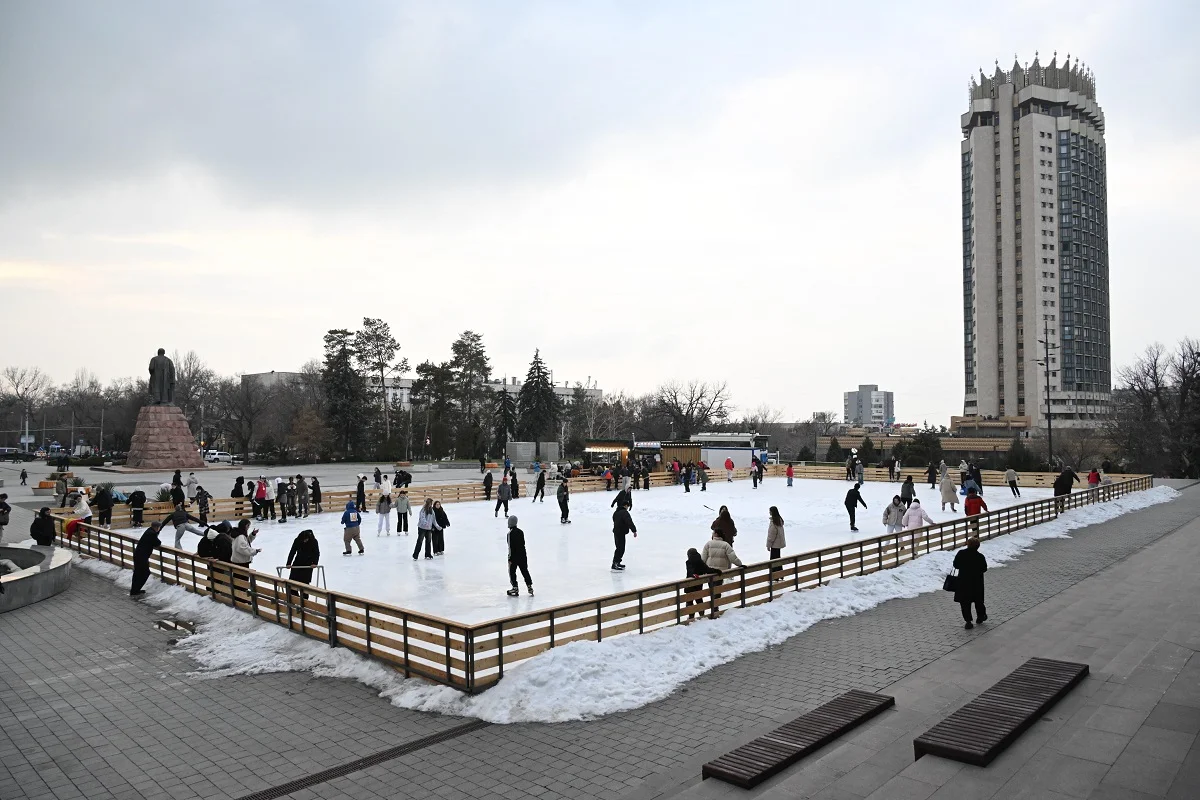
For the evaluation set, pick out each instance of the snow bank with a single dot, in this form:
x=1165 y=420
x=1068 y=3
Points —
x=591 y=679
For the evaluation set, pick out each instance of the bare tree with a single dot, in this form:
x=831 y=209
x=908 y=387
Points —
x=242 y=405
x=29 y=385
x=1155 y=422
x=763 y=419
x=1081 y=448
x=692 y=407
x=195 y=385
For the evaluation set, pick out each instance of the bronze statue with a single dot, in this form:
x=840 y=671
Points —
x=162 y=379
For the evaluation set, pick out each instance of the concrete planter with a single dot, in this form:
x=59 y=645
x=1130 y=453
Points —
x=42 y=572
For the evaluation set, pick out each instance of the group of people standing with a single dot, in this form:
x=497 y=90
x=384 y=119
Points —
x=292 y=496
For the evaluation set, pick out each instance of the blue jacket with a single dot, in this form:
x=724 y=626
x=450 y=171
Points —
x=350 y=517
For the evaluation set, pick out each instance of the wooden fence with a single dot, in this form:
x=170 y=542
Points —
x=472 y=657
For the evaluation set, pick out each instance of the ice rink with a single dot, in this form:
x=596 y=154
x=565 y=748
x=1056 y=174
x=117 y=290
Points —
x=571 y=562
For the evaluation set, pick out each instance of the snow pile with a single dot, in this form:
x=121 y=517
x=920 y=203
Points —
x=590 y=679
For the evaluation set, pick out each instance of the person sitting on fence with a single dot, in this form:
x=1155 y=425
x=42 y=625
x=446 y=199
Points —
x=141 y=558
x=243 y=552
x=893 y=514
x=304 y=555
x=181 y=520
x=916 y=517
x=42 y=528
x=949 y=493
x=137 y=505
x=83 y=512
x=696 y=568
x=974 y=506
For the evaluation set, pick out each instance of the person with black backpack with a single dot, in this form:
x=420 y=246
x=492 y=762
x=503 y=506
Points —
x=137 y=504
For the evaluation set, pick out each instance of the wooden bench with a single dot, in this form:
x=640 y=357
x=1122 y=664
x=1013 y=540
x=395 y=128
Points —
x=984 y=727
x=754 y=762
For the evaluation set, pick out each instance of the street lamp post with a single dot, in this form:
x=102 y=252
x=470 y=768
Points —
x=1045 y=363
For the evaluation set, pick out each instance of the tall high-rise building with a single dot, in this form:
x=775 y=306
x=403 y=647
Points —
x=869 y=406
x=1035 y=246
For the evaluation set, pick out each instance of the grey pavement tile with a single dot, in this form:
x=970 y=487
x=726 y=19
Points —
x=1143 y=773
x=900 y=788
x=1185 y=719
x=1162 y=743
x=971 y=783
x=1094 y=745
x=932 y=770
x=1112 y=719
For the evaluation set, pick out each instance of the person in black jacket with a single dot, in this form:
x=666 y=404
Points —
x=487 y=485
x=971 y=565
x=42 y=528
x=5 y=513
x=141 y=558
x=178 y=498
x=623 y=498
x=564 y=502
x=360 y=497
x=853 y=498
x=104 y=504
x=1063 y=485
x=439 y=533
x=517 y=558
x=977 y=476
x=137 y=505
x=223 y=541
x=696 y=568
x=305 y=552
x=540 y=491
x=177 y=479
x=180 y=519
x=315 y=485
x=622 y=525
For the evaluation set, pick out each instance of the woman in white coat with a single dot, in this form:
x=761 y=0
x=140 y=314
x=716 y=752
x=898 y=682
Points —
x=775 y=536
x=916 y=517
x=718 y=554
x=949 y=494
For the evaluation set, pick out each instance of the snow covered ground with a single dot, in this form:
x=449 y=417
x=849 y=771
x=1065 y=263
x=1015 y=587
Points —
x=571 y=562
x=577 y=681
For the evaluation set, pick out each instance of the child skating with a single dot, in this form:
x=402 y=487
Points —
x=517 y=558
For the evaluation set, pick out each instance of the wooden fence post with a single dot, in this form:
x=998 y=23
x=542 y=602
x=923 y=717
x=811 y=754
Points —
x=331 y=618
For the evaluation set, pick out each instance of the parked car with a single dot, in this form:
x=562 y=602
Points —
x=218 y=457
x=15 y=456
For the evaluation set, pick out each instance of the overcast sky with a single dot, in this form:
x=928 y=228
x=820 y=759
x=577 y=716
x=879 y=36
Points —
x=758 y=192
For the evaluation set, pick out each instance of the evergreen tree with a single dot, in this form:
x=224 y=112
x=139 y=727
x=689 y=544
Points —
x=470 y=369
x=805 y=453
x=866 y=452
x=375 y=349
x=504 y=419
x=834 y=453
x=433 y=396
x=1020 y=458
x=538 y=407
x=348 y=405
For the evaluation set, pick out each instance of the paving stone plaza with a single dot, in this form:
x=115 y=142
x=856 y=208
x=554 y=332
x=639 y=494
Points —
x=96 y=703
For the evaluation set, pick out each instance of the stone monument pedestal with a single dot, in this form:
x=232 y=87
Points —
x=163 y=440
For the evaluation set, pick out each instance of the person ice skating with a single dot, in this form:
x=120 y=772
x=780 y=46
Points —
x=177 y=496
x=702 y=475
x=723 y=525
x=776 y=540
x=304 y=555
x=177 y=479
x=281 y=499
x=977 y=476
x=223 y=541
x=503 y=495
x=316 y=494
x=859 y=470
x=790 y=472
x=696 y=568
x=291 y=494
x=622 y=525
x=24 y=478
x=853 y=498
x=943 y=470
x=181 y=520
x=202 y=500
x=915 y=516
x=1010 y=477
x=949 y=493
x=963 y=472
x=893 y=515
x=439 y=533
x=607 y=480
x=514 y=485
x=623 y=498
x=378 y=478
x=383 y=508
x=974 y=506
x=190 y=485
x=970 y=485
x=141 y=559
x=351 y=522
x=42 y=528
x=908 y=491
x=540 y=491
x=754 y=473
x=426 y=524
x=564 y=502
x=850 y=468
x=266 y=503
x=104 y=504
x=360 y=493
x=487 y=486
x=507 y=463
x=517 y=558
x=302 y=495
x=729 y=470
x=243 y=551
x=646 y=478
x=932 y=473
x=403 y=509
x=625 y=478
x=968 y=589
x=1093 y=479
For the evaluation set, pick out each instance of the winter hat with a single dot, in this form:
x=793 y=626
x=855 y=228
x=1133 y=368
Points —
x=512 y=521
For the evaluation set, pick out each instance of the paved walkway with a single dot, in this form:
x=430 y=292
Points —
x=95 y=703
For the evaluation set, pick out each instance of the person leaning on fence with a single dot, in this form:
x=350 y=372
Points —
x=696 y=568
x=968 y=585
x=42 y=528
x=719 y=555
x=243 y=552
x=141 y=558
x=351 y=522
x=83 y=512
x=1062 y=487
x=304 y=555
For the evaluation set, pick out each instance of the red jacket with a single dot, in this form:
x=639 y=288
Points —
x=729 y=463
x=790 y=472
x=974 y=504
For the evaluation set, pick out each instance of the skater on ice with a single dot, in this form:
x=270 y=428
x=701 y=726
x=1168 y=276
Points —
x=487 y=486
x=623 y=498
x=243 y=551
x=729 y=470
x=949 y=493
x=853 y=499
x=181 y=520
x=503 y=495
x=1010 y=477
x=932 y=473
x=360 y=494
x=517 y=558
x=908 y=491
x=540 y=491
x=439 y=532
x=351 y=522
x=316 y=494
x=302 y=494
x=383 y=522
x=622 y=525
x=893 y=515
x=723 y=525
x=564 y=502
x=916 y=517
x=403 y=509
x=426 y=524
x=791 y=473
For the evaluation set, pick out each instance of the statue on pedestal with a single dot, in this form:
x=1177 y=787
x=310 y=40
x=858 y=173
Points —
x=162 y=379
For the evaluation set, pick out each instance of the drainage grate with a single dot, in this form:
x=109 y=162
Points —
x=284 y=789
x=175 y=625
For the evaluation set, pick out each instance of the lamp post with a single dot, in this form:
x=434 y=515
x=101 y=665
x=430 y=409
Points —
x=1045 y=363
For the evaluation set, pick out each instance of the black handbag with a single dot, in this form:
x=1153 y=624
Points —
x=951 y=583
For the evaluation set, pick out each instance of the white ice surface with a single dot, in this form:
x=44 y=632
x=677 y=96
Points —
x=569 y=563
x=590 y=679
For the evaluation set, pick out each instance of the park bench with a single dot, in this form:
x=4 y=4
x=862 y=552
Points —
x=754 y=762
x=984 y=727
